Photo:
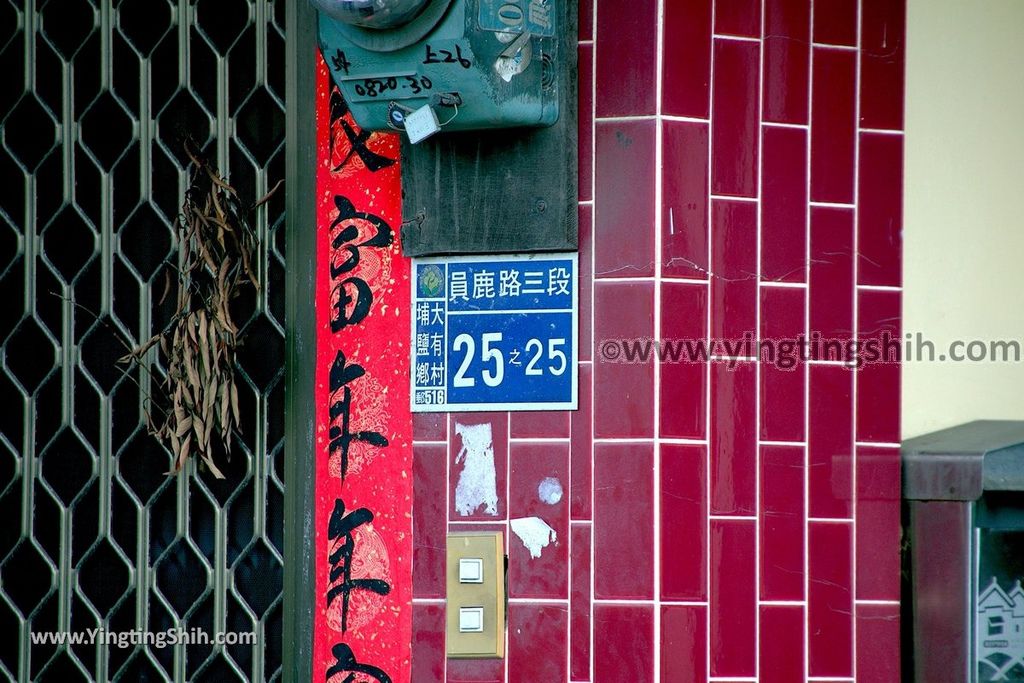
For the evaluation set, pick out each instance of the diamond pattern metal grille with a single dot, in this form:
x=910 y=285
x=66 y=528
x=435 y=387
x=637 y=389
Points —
x=99 y=96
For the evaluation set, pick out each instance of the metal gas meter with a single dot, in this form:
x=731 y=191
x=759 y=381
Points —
x=427 y=65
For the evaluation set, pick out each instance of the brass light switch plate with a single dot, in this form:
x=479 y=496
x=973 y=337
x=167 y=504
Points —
x=475 y=617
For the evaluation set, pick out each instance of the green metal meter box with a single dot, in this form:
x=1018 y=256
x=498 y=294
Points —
x=466 y=64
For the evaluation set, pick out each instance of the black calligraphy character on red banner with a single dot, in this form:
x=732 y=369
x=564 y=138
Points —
x=340 y=528
x=345 y=662
x=353 y=290
x=341 y=435
x=357 y=138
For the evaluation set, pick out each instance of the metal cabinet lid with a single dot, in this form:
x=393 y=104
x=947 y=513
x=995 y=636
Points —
x=961 y=462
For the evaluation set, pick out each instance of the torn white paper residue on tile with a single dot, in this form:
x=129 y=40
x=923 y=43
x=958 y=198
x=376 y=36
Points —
x=476 y=485
x=534 y=533
x=549 y=490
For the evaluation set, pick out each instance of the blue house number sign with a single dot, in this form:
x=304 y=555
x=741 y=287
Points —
x=494 y=333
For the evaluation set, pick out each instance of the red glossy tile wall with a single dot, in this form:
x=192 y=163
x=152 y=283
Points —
x=735 y=513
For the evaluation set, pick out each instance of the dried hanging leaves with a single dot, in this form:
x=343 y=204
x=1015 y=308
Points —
x=216 y=251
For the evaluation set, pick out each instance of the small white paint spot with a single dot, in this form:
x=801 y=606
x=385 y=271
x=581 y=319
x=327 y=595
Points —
x=549 y=490
x=534 y=533
x=476 y=485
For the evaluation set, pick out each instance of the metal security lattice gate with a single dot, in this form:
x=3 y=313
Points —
x=98 y=96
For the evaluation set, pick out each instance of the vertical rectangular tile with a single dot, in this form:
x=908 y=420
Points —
x=585 y=17
x=684 y=512
x=686 y=73
x=835 y=22
x=476 y=671
x=585 y=122
x=882 y=57
x=832 y=287
x=833 y=125
x=738 y=18
x=478 y=466
x=581 y=450
x=734 y=263
x=429 y=485
x=829 y=600
x=586 y=281
x=538 y=476
x=878 y=523
x=784 y=204
x=783 y=371
x=550 y=424
x=624 y=647
x=684 y=199
x=537 y=642
x=733 y=438
x=428 y=645
x=878 y=378
x=429 y=427
x=734 y=112
x=580 y=595
x=782 y=644
x=627 y=57
x=830 y=441
x=782 y=523
x=787 y=61
x=880 y=209
x=624 y=220
x=623 y=386
x=733 y=598
x=683 y=377
x=623 y=525
x=683 y=643
x=878 y=643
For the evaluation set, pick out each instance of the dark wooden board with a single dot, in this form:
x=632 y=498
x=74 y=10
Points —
x=494 y=191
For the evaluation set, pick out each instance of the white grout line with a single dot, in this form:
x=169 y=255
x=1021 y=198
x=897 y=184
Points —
x=676 y=441
x=684 y=280
x=831 y=520
x=880 y=131
x=447 y=527
x=623 y=119
x=834 y=205
x=808 y=234
x=854 y=460
x=527 y=440
x=593 y=338
x=623 y=440
x=684 y=119
x=659 y=200
x=782 y=124
x=830 y=46
x=708 y=392
x=778 y=284
x=877 y=602
x=508 y=516
x=879 y=288
x=795 y=444
x=757 y=336
x=877 y=444
x=736 y=198
x=726 y=36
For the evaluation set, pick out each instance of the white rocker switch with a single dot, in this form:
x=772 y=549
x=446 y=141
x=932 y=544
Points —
x=471 y=619
x=471 y=570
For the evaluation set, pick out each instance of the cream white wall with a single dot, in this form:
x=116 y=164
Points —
x=963 y=245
